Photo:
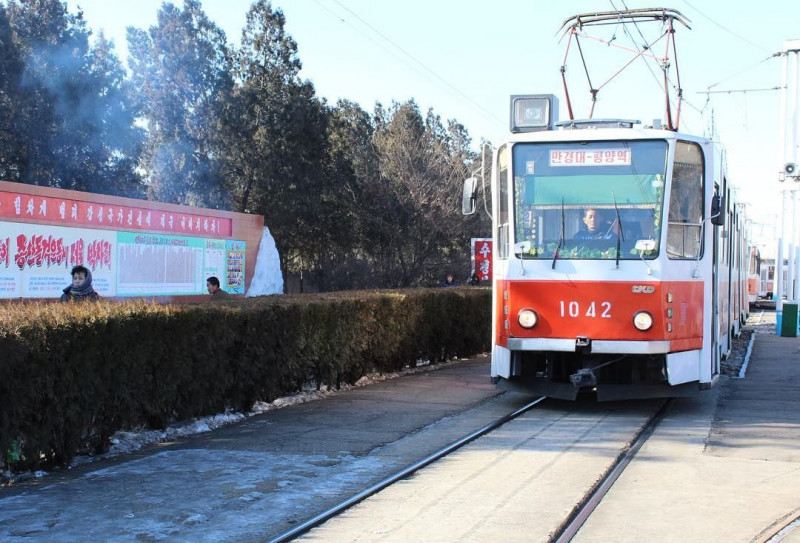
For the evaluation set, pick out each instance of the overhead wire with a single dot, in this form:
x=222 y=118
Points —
x=700 y=110
x=708 y=89
x=760 y=62
x=416 y=62
x=708 y=92
x=333 y=13
x=724 y=28
x=732 y=91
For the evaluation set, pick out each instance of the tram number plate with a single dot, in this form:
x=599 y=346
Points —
x=574 y=309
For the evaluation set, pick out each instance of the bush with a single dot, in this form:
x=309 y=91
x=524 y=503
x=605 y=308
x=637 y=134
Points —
x=71 y=375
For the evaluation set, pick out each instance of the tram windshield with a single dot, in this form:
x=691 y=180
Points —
x=588 y=200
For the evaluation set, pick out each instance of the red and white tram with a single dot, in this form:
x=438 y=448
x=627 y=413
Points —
x=642 y=302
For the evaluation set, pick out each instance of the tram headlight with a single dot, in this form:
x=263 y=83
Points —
x=643 y=321
x=527 y=318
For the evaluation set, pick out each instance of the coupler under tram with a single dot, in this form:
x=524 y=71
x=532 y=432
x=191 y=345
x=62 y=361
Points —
x=611 y=376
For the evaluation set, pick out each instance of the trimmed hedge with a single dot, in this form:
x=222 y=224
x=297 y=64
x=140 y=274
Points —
x=71 y=375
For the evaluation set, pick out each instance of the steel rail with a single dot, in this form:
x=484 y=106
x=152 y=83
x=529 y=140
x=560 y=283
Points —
x=388 y=481
x=584 y=509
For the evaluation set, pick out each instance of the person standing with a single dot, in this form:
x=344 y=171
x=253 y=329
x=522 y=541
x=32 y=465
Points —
x=449 y=281
x=212 y=284
x=81 y=289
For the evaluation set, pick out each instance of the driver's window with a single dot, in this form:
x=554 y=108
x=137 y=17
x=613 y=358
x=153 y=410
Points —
x=684 y=228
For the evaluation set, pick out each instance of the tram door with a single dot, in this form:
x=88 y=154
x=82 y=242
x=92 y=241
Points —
x=726 y=237
x=715 y=293
x=501 y=363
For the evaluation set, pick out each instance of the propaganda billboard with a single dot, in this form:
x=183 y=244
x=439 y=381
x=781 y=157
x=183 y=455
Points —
x=35 y=261
x=132 y=248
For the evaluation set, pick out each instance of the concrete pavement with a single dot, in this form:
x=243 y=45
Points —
x=724 y=467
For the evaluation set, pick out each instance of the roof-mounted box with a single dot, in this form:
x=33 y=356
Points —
x=533 y=112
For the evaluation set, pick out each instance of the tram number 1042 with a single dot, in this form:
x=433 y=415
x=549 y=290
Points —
x=595 y=309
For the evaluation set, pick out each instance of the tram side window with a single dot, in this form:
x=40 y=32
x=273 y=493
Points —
x=502 y=204
x=685 y=222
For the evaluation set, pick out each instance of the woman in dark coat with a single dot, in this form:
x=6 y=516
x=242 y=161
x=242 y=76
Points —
x=81 y=288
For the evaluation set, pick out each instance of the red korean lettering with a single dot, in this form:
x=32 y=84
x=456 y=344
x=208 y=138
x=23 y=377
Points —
x=76 y=253
x=53 y=251
x=30 y=252
x=39 y=251
x=98 y=254
x=5 y=251
x=22 y=251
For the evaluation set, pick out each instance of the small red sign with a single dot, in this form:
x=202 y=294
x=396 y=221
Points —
x=482 y=258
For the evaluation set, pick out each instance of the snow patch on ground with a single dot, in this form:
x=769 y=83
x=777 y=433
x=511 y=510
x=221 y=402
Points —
x=129 y=441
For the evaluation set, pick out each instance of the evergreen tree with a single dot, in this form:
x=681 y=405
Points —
x=70 y=123
x=275 y=136
x=351 y=164
x=12 y=147
x=182 y=70
x=117 y=142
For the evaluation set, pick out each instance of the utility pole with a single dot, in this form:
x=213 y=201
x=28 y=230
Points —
x=790 y=119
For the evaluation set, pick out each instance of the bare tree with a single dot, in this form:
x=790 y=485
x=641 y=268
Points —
x=422 y=164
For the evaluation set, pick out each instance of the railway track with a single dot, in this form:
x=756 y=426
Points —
x=586 y=427
x=584 y=509
x=402 y=474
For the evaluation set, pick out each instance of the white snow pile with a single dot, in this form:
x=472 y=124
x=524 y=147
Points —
x=267 y=278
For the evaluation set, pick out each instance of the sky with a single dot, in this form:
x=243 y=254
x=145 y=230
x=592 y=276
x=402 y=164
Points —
x=465 y=58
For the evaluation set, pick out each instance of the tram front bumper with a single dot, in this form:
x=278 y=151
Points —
x=598 y=346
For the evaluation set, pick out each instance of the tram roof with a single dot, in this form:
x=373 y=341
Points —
x=602 y=132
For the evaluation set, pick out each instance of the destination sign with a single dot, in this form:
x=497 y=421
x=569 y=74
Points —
x=591 y=157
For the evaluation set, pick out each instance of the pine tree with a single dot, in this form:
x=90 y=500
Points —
x=182 y=69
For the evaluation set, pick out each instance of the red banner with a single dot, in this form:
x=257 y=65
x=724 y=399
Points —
x=482 y=258
x=77 y=213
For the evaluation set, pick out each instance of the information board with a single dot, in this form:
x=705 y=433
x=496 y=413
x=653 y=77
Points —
x=35 y=260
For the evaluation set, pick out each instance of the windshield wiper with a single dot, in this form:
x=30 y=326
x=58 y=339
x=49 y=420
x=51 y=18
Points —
x=620 y=235
x=561 y=239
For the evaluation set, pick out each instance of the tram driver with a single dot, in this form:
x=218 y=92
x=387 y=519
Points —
x=595 y=227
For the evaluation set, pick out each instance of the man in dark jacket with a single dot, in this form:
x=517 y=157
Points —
x=596 y=227
x=212 y=284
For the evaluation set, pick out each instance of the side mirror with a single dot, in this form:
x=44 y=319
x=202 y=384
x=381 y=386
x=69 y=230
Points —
x=470 y=198
x=717 y=211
